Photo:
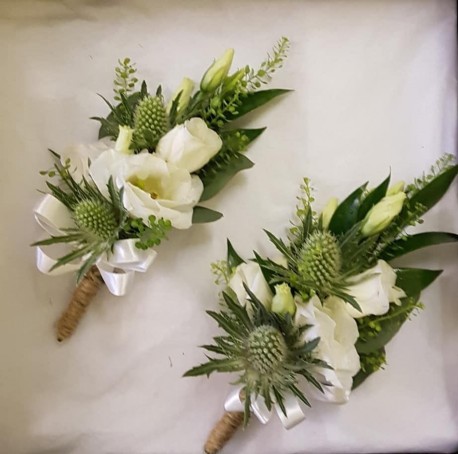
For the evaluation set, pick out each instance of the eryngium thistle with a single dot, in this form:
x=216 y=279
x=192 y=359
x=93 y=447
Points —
x=96 y=218
x=320 y=259
x=150 y=117
x=266 y=349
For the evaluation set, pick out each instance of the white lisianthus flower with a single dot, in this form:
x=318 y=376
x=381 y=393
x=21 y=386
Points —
x=151 y=186
x=250 y=274
x=190 y=145
x=374 y=290
x=338 y=333
x=79 y=156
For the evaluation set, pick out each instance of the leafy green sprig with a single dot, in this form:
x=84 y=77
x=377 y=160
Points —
x=149 y=236
x=125 y=79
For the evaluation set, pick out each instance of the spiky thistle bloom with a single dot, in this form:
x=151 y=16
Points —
x=96 y=217
x=320 y=259
x=150 y=120
x=98 y=220
x=265 y=348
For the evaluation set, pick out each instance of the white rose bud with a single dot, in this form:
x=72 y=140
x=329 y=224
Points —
x=124 y=140
x=381 y=215
x=328 y=211
x=217 y=72
x=398 y=187
x=283 y=300
x=185 y=88
x=190 y=145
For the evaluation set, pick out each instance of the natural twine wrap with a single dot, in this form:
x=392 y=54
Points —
x=223 y=431
x=80 y=300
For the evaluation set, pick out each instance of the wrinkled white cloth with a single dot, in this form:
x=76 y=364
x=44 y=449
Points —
x=374 y=88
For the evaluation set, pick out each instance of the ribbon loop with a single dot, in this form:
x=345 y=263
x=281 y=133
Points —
x=117 y=268
x=294 y=413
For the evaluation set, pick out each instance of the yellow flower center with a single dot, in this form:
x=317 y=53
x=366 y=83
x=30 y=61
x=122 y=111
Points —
x=149 y=184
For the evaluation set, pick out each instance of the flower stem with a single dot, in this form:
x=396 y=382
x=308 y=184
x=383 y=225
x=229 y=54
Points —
x=223 y=431
x=80 y=300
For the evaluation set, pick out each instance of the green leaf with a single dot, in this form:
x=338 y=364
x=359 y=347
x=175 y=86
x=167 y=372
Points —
x=214 y=365
x=373 y=198
x=413 y=242
x=233 y=259
x=414 y=280
x=266 y=269
x=202 y=215
x=280 y=245
x=59 y=239
x=255 y=100
x=434 y=190
x=252 y=134
x=389 y=328
x=346 y=214
x=215 y=180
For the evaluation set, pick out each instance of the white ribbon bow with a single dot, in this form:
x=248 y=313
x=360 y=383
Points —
x=294 y=414
x=117 y=268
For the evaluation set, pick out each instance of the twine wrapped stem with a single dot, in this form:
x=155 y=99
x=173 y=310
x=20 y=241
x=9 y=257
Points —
x=223 y=431
x=80 y=300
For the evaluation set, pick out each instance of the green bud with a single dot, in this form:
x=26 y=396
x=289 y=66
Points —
x=328 y=212
x=283 y=300
x=382 y=214
x=217 y=72
x=185 y=88
x=231 y=82
x=124 y=140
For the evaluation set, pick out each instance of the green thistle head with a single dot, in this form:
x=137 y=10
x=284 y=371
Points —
x=96 y=218
x=320 y=259
x=150 y=119
x=267 y=349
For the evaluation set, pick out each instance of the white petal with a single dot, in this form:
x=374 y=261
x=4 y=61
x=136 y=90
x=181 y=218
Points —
x=338 y=333
x=189 y=146
x=250 y=274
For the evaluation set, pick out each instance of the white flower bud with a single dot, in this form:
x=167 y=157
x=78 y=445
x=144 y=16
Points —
x=124 y=140
x=328 y=211
x=381 y=215
x=217 y=72
x=185 y=88
x=397 y=187
x=283 y=300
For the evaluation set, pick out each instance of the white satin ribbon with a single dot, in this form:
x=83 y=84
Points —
x=117 y=267
x=294 y=414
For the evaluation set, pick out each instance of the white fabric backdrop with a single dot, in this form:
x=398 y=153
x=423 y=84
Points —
x=374 y=87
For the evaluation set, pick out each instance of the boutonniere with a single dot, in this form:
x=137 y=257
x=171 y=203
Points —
x=313 y=322
x=111 y=203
